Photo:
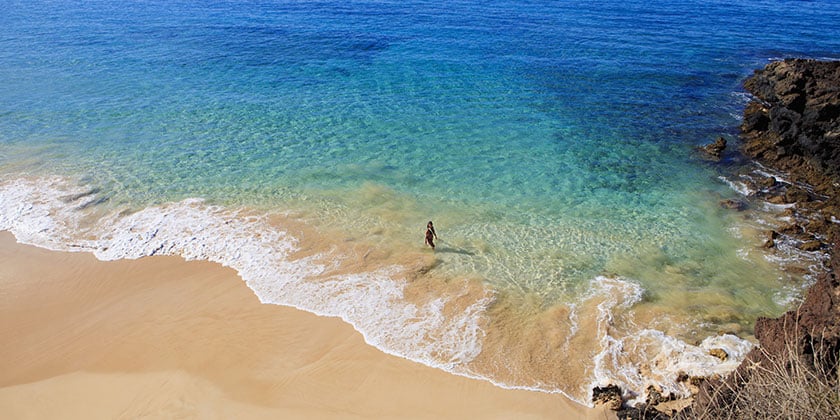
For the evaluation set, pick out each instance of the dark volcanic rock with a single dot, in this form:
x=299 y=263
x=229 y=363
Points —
x=609 y=395
x=796 y=120
x=810 y=246
x=794 y=126
x=733 y=205
x=714 y=150
x=817 y=320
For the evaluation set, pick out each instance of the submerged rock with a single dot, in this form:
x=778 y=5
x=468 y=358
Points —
x=714 y=150
x=810 y=246
x=737 y=205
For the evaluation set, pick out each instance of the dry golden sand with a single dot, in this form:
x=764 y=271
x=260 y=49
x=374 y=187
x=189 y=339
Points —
x=163 y=338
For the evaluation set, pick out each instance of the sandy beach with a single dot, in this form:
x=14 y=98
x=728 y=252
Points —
x=160 y=337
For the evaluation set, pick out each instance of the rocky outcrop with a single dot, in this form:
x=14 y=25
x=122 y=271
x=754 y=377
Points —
x=609 y=396
x=656 y=407
x=794 y=126
x=714 y=150
x=795 y=122
x=816 y=321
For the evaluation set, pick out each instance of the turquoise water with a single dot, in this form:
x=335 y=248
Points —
x=550 y=143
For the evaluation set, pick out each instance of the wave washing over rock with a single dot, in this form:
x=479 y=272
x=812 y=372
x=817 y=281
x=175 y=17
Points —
x=793 y=125
x=444 y=330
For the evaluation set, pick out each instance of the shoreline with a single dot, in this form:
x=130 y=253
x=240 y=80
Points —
x=789 y=139
x=166 y=337
x=265 y=252
x=791 y=126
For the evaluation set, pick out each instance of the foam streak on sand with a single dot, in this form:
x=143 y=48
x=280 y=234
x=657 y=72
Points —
x=165 y=338
x=439 y=328
x=262 y=255
x=636 y=358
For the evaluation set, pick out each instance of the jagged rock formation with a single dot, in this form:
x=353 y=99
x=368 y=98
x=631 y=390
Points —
x=609 y=395
x=795 y=123
x=794 y=126
x=714 y=150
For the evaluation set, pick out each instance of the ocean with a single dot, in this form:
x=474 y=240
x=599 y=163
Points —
x=306 y=144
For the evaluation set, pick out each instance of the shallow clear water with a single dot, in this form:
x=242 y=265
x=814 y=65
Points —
x=551 y=144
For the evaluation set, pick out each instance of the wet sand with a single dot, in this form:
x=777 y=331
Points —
x=160 y=337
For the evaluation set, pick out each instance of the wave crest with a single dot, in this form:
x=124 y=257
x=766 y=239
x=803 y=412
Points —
x=444 y=325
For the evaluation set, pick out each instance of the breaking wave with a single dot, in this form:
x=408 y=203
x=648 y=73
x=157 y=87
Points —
x=446 y=327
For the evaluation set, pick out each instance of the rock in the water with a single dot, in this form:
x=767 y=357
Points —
x=796 y=195
x=609 y=395
x=719 y=353
x=769 y=182
x=715 y=150
x=810 y=246
x=771 y=239
x=734 y=205
x=654 y=396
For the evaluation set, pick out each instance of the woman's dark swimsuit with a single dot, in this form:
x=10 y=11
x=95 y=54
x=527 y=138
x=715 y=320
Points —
x=430 y=238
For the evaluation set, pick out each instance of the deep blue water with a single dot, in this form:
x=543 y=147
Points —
x=511 y=95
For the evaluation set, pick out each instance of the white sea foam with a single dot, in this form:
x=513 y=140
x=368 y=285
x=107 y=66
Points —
x=769 y=173
x=742 y=97
x=574 y=327
x=615 y=293
x=39 y=212
x=739 y=187
x=50 y=213
x=769 y=207
x=635 y=358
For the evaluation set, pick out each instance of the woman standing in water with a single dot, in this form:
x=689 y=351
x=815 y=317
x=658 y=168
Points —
x=430 y=234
